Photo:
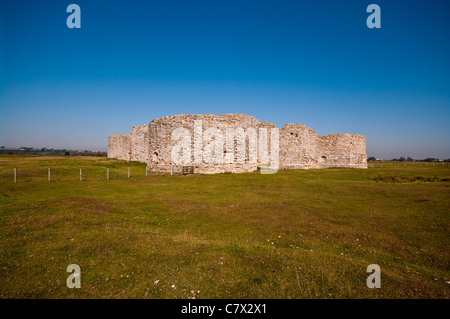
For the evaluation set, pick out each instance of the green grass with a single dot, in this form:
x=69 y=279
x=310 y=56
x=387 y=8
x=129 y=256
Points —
x=294 y=234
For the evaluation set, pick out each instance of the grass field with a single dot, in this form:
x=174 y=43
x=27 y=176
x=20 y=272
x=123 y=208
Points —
x=294 y=234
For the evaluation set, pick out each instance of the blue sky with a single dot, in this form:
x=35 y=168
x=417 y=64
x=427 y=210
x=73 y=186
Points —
x=312 y=62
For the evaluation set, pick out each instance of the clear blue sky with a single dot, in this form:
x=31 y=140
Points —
x=312 y=62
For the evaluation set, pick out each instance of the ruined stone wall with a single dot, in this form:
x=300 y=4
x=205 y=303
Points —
x=119 y=146
x=302 y=148
x=299 y=146
x=161 y=143
x=139 y=143
x=342 y=150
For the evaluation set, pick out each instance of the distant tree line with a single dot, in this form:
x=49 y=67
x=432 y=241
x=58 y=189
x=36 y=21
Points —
x=49 y=151
x=410 y=159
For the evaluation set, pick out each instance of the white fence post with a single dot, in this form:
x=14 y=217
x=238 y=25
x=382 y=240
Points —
x=81 y=175
x=49 y=174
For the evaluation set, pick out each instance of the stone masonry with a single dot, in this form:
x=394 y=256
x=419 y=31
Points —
x=299 y=146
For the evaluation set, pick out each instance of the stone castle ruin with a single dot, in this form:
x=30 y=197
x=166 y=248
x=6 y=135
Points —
x=239 y=142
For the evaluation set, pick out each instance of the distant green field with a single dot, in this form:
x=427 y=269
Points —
x=294 y=234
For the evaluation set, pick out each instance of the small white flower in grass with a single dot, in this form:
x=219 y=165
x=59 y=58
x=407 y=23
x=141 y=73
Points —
x=173 y=286
x=156 y=282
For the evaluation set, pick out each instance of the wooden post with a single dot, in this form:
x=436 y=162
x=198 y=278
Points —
x=15 y=175
x=107 y=173
x=81 y=175
x=49 y=176
x=128 y=172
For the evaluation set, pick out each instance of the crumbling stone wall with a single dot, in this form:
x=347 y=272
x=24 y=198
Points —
x=119 y=146
x=161 y=143
x=139 y=143
x=302 y=148
x=299 y=146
